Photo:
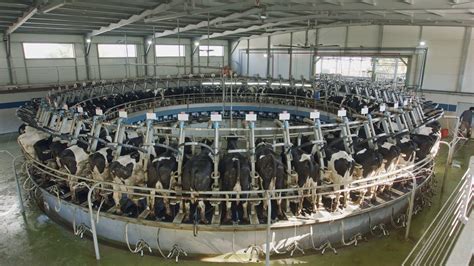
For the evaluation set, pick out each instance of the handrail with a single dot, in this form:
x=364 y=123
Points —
x=435 y=244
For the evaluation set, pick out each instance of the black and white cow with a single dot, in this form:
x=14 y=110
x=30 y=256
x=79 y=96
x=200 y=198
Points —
x=160 y=176
x=340 y=170
x=407 y=150
x=391 y=154
x=427 y=139
x=196 y=176
x=271 y=170
x=372 y=163
x=74 y=159
x=235 y=176
x=309 y=175
x=99 y=164
x=127 y=170
x=29 y=138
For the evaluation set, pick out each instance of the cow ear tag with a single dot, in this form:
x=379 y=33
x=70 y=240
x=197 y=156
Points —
x=382 y=108
x=99 y=111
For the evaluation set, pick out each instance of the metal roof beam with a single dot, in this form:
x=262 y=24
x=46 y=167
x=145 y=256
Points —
x=135 y=18
x=203 y=24
x=51 y=5
x=21 y=20
x=242 y=30
x=192 y=12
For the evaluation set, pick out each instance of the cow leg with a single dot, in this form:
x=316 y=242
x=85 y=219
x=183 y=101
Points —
x=202 y=210
x=245 y=211
x=116 y=195
x=228 y=210
x=166 y=202
x=72 y=188
x=151 y=203
x=158 y=185
x=314 y=198
x=187 y=211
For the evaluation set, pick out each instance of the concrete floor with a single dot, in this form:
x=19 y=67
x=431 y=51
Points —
x=33 y=239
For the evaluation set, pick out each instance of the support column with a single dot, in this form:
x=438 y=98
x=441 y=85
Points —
x=7 y=43
x=464 y=56
x=313 y=56
x=346 y=37
x=268 y=55
x=145 y=56
x=229 y=53
x=87 y=48
x=290 y=71
x=248 y=56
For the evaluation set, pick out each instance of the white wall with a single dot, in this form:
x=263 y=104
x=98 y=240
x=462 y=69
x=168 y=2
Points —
x=9 y=121
x=53 y=71
x=442 y=64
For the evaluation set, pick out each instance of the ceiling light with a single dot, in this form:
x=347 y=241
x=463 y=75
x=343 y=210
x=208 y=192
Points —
x=422 y=43
x=263 y=16
x=196 y=43
x=149 y=41
x=88 y=40
x=265 y=55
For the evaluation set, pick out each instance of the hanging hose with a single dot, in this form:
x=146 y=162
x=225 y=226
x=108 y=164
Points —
x=81 y=229
x=55 y=190
x=176 y=251
x=28 y=178
x=353 y=240
x=324 y=246
x=272 y=246
x=295 y=245
x=158 y=243
x=139 y=247
x=401 y=220
x=98 y=211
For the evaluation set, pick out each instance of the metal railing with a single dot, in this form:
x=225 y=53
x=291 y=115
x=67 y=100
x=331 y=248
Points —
x=434 y=246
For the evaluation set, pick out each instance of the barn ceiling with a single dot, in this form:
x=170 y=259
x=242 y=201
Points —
x=221 y=19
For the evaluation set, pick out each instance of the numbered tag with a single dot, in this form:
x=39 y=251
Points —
x=342 y=112
x=150 y=116
x=99 y=111
x=405 y=102
x=314 y=115
x=364 y=110
x=80 y=109
x=395 y=105
x=183 y=117
x=284 y=116
x=251 y=117
x=216 y=117
x=382 y=108
x=123 y=114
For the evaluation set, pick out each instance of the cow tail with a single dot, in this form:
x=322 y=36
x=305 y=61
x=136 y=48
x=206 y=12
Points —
x=275 y=166
x=238 y=169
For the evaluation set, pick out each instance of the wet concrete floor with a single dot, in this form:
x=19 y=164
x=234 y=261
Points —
x=33 y=239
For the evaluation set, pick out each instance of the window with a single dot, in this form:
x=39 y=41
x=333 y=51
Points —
x=162 y=50
x=117 y=50
x=212 y=50
x=48 y=50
